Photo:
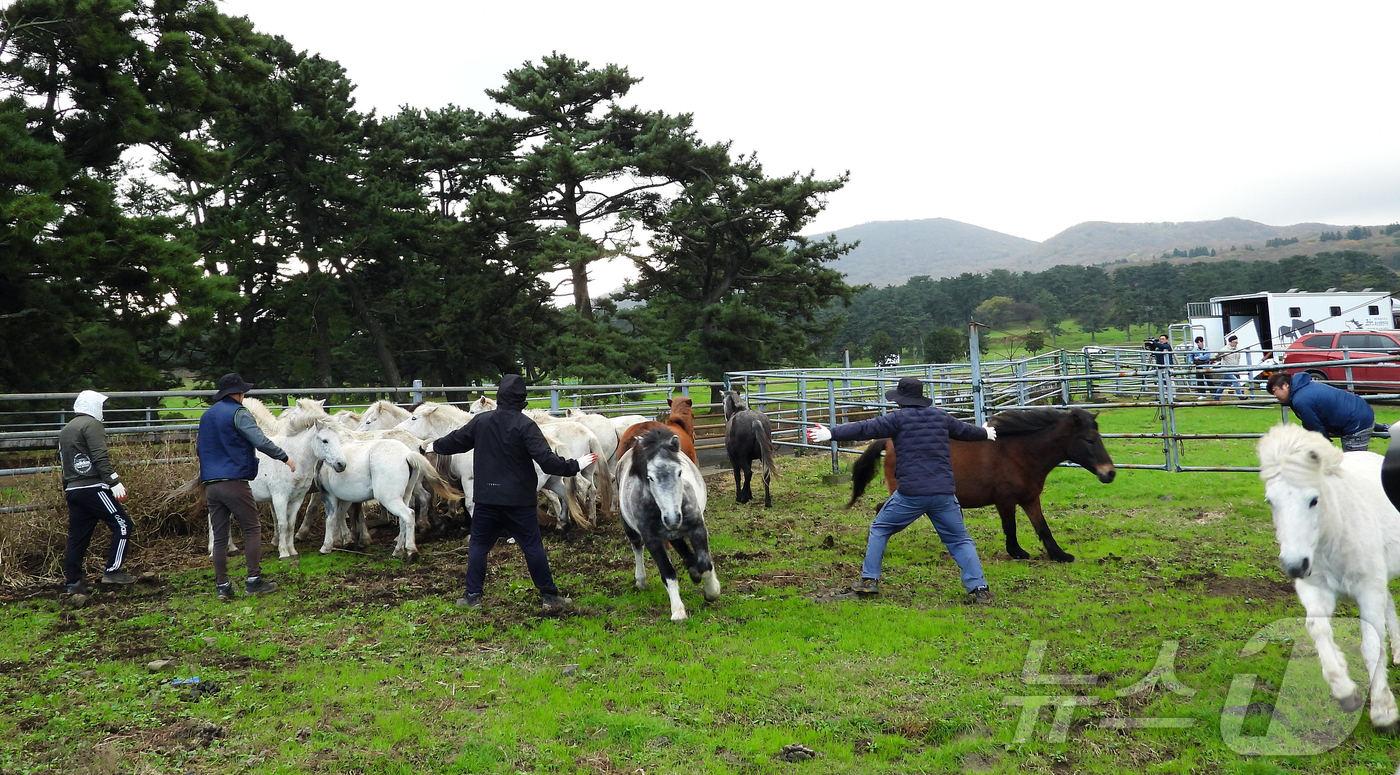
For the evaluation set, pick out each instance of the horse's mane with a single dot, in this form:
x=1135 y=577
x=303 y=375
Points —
x=651 y=444
x=540 y=416
x=261 y=415
x=1302 y=457
x=685 y=419
x=1023 y=422
x=734 y=402
x=309 y=410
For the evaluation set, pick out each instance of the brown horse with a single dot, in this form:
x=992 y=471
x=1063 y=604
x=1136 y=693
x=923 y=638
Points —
x=681 y=422
x=1010 y=471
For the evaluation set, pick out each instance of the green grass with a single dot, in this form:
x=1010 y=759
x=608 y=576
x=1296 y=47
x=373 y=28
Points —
x=364 y=665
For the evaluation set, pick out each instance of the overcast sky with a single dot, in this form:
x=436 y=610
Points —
x=1026 y=118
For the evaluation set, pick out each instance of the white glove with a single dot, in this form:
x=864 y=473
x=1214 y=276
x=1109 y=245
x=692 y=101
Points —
x=119 y=491
x=818 y=434
x=991 y=432
x=428 y=448
x=586 y=461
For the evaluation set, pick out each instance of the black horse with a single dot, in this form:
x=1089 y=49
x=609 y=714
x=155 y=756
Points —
x=1010 y=471
x=748 y=436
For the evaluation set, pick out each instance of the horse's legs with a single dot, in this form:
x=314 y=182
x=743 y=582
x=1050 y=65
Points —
x=334 y=525
x=405 y=547
x=1372 y=604
x=1319 y=604
x=635 y=538
x=1008 y=529
x=304 y=532
x=738 y=482
x=284 y=521
x=748 y=480
x=767 y=494
x=656 y=547
x=1032 y=507
x=1392 y=625
x=709 y=580
x=687 y=559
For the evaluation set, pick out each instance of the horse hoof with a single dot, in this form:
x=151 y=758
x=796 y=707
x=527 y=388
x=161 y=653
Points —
x=695 y=576
x=678 y=617
x=412 y=556
x=1352 y=703
x=1019 y=554
x=1062 y=557
x=1389 y=730
x=294 y=561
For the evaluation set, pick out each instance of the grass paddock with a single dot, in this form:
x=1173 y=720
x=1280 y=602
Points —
x=363 y=665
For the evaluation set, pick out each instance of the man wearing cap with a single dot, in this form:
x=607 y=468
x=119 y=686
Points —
x=1229 y=355
x=1326 y=409
x=507 y=445
x=924 y=467
x=229 y=439
x=94 y=494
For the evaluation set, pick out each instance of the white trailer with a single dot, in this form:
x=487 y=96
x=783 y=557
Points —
x=1267 y=321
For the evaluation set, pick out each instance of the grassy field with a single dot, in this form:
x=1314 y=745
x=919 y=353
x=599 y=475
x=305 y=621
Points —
x=364 y=665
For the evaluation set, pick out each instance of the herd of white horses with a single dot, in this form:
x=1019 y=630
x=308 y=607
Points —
x=351 y=458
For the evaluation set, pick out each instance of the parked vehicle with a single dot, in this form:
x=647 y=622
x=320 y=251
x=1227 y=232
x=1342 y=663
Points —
x=1365 y=377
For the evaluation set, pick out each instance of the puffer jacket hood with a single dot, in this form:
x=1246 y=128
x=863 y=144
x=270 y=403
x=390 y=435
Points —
x=511 y=393
x=1300 y=380
x=89 y=402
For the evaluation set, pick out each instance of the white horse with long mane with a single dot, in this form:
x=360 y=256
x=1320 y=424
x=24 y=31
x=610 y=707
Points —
x=1339 y=537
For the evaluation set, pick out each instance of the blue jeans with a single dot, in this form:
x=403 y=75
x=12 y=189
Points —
x=1228 y=381
x=944 y=511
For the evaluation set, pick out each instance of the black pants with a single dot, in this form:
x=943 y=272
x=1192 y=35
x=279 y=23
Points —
x=86 y=507
x=488 y=523
x=234 y=498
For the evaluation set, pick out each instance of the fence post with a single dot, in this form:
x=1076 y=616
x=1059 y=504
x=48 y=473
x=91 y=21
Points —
x=979 y=412
x=685 y=387
x=1064 y=377
x=670 y=380
x=417 y=393
x=762 y=389
x=802 y=413
x=1021 y=386
x=554 y=397
x=831 y=409
x=1166 y=418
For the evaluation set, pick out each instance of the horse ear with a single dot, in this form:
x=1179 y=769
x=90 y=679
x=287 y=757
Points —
x=673 y=443
x=668 y=401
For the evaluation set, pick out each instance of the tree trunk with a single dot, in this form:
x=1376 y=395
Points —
x=371 y=323
x=582 y=303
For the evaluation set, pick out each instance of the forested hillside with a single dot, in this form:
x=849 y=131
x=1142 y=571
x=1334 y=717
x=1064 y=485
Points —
x=179 y=192
x=915 y=318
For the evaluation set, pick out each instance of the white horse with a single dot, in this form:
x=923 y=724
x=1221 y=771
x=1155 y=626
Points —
x=348 y=419
x=382 y=415
x=589 y=486
x=622 y=423
x=380 y=469
x=663 y=500
x=421 y=501
x=602 y=427
x=1339 y=537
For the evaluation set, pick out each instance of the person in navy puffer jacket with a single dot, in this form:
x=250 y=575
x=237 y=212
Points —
x=1326 y=409
x=924 y=466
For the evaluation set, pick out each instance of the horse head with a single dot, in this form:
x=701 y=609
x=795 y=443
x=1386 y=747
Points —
x=1294 y=464
x=659 y=455
x=733 y=403
x=1086 y=447
x=327 y=445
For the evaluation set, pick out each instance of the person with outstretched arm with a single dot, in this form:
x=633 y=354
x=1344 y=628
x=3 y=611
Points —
x=507 y=445
x=228 y=443
x=94 y=493
x=924 y=466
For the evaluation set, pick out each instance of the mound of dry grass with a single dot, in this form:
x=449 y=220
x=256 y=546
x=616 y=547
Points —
x=32 y=542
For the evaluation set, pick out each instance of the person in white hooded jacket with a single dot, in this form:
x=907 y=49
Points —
x=94 y=493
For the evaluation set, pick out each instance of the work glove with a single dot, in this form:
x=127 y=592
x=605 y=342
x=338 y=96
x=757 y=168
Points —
x=119 y=491
x=818 y=434
x=991 y=432
x=586 y=460
x=428 y=448
x=292 y=464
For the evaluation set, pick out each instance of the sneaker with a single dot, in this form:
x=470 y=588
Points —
x=866 y=587
x=257 y=586
x=224 y=591
x=78 y=587
x=470 y=601
x=556 y=602
x=981 y=596
x=117 y=577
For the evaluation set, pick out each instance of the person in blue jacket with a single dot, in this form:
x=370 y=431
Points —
x=924 y=466
x=1326 y=409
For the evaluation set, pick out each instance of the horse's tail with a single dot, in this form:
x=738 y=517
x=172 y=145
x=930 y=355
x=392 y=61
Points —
x=430 y=476
x=764 y=435
x=604 y=475
x=193 y=489
x=863 y=470
x=578 y=510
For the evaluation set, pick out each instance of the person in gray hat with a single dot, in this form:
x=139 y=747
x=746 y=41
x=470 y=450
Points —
x=229 y=439
x=94 y=494
x=924 y=466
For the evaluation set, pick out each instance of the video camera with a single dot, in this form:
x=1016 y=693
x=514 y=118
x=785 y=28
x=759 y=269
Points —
x=1149 y=344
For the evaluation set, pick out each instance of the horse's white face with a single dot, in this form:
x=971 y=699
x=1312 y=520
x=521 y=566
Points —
x=1297 y=513
x=327 y=446
x=417 y=424
x=667 y=489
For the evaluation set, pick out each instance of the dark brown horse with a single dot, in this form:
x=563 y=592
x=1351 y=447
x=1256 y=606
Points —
x=1010 y=471
x=681 y=422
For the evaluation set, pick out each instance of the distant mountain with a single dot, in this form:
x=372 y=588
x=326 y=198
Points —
x=891 y=252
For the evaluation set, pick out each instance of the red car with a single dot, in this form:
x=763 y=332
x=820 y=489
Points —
x=1314 y=348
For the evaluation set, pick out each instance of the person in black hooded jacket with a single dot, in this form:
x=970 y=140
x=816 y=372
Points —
x=506 y=443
